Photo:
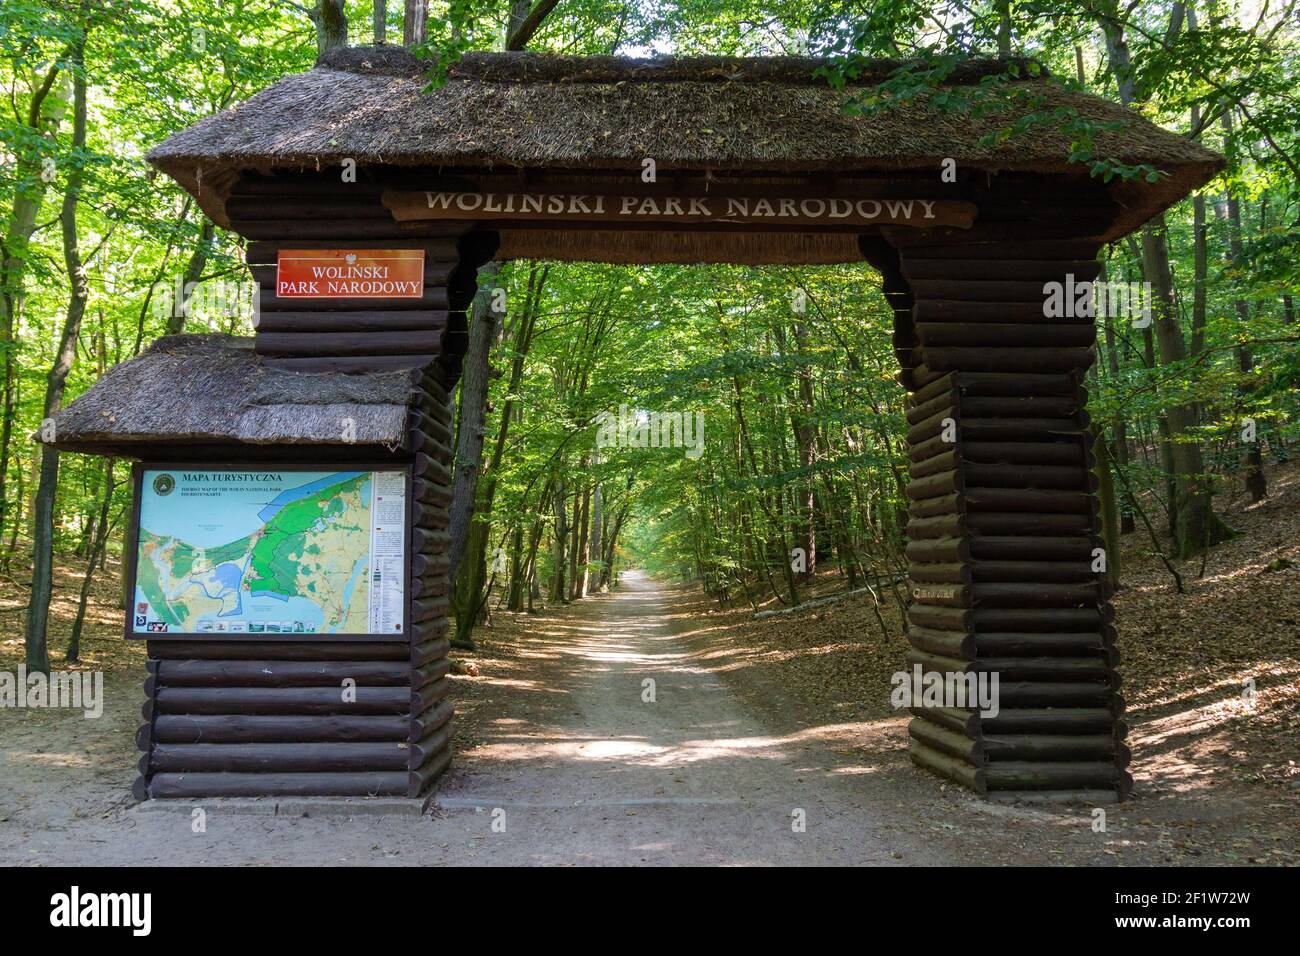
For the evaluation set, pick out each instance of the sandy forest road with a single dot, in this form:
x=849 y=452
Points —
x=581 y=768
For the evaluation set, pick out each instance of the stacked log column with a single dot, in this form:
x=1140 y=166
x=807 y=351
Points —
x=430 y=441
x=1004 y=545
x=251 y=718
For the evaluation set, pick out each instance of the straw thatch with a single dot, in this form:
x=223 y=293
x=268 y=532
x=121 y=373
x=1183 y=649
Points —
x=215 y=389
x=536 y=111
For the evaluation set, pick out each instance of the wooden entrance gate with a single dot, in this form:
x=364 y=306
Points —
x=1005 y=543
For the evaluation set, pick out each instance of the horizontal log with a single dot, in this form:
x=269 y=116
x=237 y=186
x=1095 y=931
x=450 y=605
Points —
x=1036 y=595
x=429 y=468
x=942 y=595
x=944 y=385
x=1010 y=644
x=1060 y=572
x=964 y=722
x=1064 y=775
x=270 y=673
x=426 y=541
x=429 y=697
x=946 y=400
x=1034 y=548
x=281 y=700
x=166 y=785
x=1101 y=747
x=1022 y=334
x=422 y=443
x=946 y=420
x=948 y=766
x=944 y=461
x=1027 y=269
x=939 y=550
x=432 y=744
x=355 y=204
x=1053 y=720
x=429 y=516
x=1036 y=500
x=347 y=364
x=190 y=649
x=980 y=312
x=1046 y=619
x=266 y=252
x=981 y=290
x=1021 y=384
x=418 y=781
x=430 y=492
x=1053 y=694
x=1008 y=249
x=942 y=526
x=233 y=729
x=348 y=343
x=427 y=652
x=1023 y=429
x=945 y=741
x=435 y=427
x=1058 y=477
x=1028 y=669
x=437 y=716
x=423 y=565
x=1005 y=523
x=940 y=618
x=341 y=233
x=955 y=573
x=424 y=610
x=428 y=630
x=946 y=359
x=1021 y=406
x=318 y=321
x=956 y=644
x=278 y=757
x=931 y=507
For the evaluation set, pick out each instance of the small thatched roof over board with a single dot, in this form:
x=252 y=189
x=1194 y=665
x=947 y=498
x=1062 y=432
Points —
x=749 y=115
x=214 y=389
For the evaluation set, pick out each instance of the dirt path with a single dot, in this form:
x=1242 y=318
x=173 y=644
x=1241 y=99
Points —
x=556 y=740
x=578 y=766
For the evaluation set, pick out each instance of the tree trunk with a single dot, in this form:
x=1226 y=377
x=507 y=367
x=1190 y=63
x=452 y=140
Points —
x=193 y=273
x=97 y=547
x=1252 y=457
x=38 y=608
x=413 y=23
x=485 y=326
x=331 y=21
x=1196 y=526
x=44 y=114
x=379 y=21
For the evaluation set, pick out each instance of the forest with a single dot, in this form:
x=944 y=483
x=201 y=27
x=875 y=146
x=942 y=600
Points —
x=737 y=428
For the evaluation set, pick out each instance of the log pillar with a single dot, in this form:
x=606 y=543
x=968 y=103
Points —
x=224 y=718
x=1003 y=530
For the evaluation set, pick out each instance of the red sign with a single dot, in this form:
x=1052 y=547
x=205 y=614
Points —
x=350 y=274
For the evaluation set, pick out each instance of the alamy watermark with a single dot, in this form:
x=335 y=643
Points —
x=214 y=297
x=956 y=689
x=77 y=690
x=638 y=428
x=1088 y=300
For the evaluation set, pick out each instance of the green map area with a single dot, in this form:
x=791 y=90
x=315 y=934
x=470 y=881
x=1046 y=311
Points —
x=304 y=570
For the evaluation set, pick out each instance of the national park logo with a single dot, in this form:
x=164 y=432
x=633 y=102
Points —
x=163 y=485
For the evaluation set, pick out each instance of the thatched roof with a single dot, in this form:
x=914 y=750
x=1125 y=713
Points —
x=527 y=110
x=213 y=389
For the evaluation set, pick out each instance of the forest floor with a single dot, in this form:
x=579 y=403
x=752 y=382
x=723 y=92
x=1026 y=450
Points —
x=754 y=724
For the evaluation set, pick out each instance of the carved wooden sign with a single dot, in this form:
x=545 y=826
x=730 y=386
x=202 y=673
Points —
x=646 y=209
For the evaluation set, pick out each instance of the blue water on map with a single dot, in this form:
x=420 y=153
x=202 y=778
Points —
x=302 y=491
x=234 y=512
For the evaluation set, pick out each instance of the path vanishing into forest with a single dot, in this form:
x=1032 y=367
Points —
x=571 y=755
